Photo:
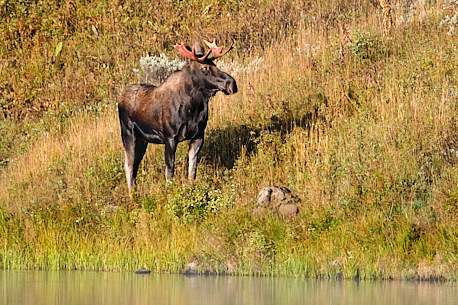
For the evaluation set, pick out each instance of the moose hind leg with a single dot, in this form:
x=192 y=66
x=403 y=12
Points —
x=194 y=148
x=135 y=150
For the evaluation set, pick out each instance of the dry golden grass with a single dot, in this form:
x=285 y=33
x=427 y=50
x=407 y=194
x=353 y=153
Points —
x=84 y=135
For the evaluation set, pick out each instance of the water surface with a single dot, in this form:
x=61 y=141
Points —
x=76 y=287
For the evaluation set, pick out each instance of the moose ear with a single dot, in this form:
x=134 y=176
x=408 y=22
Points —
x=191 y=54
x=216 y=51
x=198 y=49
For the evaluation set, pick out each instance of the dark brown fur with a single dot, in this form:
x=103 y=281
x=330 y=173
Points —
x=171 y=113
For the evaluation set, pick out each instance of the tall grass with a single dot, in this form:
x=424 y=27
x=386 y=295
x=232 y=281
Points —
x=359 y=122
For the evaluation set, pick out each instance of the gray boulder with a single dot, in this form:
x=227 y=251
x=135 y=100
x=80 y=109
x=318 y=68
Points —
x=278 y=200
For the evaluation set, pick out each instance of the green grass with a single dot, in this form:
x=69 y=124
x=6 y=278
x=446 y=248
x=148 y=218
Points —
x=360 y=125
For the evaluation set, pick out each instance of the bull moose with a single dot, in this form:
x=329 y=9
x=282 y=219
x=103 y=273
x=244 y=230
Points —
x=173 y=112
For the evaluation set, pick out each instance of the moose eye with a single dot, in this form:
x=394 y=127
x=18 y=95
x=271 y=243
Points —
x=205 y=69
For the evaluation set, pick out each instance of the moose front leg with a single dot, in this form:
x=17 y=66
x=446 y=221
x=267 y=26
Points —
x=170 y=149
x=194 y=148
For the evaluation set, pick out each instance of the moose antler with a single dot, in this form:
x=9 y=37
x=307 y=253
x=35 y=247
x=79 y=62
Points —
x=191 y=54
x=216 y=51
x=213 y=48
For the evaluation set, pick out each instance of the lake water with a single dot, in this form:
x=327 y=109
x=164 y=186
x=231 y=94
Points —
x=75 y=287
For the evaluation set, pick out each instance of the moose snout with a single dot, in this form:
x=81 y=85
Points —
x=231 y=86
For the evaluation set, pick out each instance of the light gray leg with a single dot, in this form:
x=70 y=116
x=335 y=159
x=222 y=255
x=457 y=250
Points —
x=129 y=169
x=135 y=150
x=194 y=148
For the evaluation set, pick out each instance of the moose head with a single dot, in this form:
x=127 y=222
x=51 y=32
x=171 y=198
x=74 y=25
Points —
x=214 y=78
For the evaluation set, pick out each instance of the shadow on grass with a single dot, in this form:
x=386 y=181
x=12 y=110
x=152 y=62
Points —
x=223 y=146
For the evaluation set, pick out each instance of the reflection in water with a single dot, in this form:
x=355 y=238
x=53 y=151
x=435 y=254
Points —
x=75 y=287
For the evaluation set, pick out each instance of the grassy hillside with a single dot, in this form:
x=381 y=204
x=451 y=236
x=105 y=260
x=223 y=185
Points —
x=355 y=117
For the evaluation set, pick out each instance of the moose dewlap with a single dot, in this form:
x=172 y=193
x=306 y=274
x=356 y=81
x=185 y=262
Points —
x=174 y=112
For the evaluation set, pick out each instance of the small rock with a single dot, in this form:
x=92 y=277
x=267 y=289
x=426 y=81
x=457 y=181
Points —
x=193 y=267
x=277 y=199
x=143 y=271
